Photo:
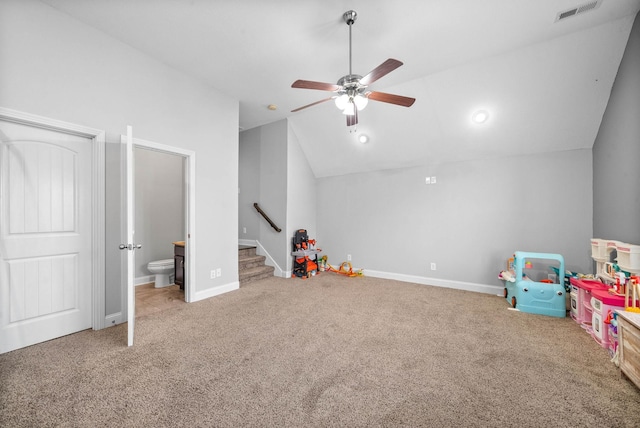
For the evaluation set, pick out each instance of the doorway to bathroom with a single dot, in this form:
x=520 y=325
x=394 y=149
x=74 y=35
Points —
x=163 y=187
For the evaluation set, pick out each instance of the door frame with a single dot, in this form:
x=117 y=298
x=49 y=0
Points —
x=190 y=218
x=98 y=139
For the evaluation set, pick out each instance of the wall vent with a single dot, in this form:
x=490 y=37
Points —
x=578 y=10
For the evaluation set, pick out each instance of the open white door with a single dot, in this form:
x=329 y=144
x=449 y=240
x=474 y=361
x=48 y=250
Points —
x=129 y=245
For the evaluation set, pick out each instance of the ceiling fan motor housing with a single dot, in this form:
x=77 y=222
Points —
x=349 y=80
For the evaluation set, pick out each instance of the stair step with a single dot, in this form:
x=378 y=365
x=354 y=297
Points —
x=246 y=251
x=248 y=262
x=251 y=266
x=255 y=274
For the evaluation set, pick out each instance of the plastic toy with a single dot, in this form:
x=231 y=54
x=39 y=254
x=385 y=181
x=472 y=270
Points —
x=345 y=269
x=603 y=302
x=581 y=293
x=536 y=297
x=506 y=275
x=631 y=295
x=305 y=255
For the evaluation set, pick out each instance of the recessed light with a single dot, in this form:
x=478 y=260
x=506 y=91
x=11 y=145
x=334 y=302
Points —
x=363 y=138
x=272 y=107
x=481 y=116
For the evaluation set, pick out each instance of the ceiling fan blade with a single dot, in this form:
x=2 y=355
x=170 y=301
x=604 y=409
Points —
x=308 y=84
x=391 y=98
x=311 y=105
x=352 y=119
x=380 y=71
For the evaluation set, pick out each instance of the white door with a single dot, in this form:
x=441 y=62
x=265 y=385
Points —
x=129 y=246
x=45 y=235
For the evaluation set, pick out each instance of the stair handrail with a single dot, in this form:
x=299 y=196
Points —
x=266 y=217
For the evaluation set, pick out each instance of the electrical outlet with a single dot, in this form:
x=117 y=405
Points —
x=427 y=180
x=433 y=266
x=219 y=272
x=213 y=274
x=348 y=257
x=244 y=230
x=433 y=180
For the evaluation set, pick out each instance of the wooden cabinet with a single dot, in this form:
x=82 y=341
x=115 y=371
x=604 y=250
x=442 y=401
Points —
x=178 y=262
x=629 y=345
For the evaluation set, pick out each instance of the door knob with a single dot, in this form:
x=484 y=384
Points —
x=130 y=246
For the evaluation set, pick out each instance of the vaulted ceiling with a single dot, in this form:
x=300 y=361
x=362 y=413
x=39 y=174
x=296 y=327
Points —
x=545 y=83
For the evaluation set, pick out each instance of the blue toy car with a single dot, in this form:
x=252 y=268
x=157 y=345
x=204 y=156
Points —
x=541 y=298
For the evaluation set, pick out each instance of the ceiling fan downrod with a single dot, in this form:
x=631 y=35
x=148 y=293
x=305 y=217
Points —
x=350 y=17
x=351 y=95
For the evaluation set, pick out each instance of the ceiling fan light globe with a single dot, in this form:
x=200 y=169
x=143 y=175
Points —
x=342 y=101
x=349 y=109
x=360 y=101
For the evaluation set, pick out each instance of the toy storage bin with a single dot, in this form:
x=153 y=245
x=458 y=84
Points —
x=603 y=303
x=628 y=256
x=598 y=248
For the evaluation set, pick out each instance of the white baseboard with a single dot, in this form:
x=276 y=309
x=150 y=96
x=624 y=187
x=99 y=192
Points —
x=215 y=291
x=144 y=280
x=113 y=319
x=459 y=285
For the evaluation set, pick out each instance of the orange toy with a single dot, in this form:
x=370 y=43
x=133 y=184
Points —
x=342 y=270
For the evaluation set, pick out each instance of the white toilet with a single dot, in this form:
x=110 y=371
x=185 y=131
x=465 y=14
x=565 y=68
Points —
x=163 y=270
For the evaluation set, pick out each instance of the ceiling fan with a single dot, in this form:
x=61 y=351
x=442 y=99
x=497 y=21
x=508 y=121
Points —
x=351 y=94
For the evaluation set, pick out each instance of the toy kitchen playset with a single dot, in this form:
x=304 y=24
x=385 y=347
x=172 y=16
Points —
x=606 y=304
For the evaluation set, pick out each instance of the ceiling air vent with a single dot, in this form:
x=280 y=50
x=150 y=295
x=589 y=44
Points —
x=578 y=10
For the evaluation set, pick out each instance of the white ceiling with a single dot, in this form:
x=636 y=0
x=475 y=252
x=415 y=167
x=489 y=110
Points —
x=544 y=83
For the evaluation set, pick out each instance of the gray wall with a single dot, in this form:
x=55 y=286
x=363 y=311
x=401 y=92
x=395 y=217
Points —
x=54 y=66
x=249 y=182
x=468 y=223
x=301 y=191
x=616 y=154
x=274 y=172
x=273 y=186
x=263 y=168
x=159 y=206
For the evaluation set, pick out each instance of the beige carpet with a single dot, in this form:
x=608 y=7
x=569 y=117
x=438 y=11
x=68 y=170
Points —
x=327 y=351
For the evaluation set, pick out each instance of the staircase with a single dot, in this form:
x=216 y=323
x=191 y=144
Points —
x=251 y=267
